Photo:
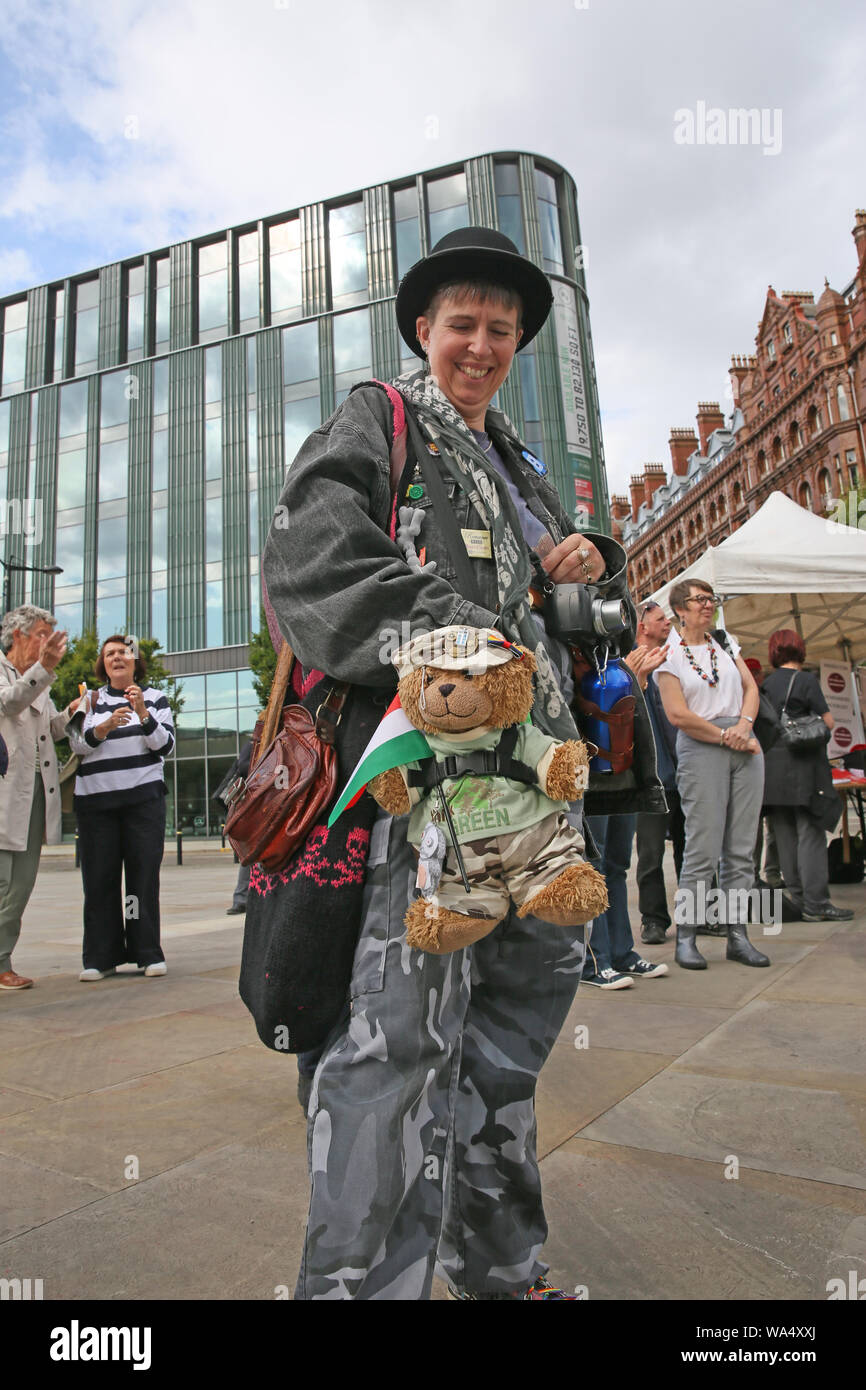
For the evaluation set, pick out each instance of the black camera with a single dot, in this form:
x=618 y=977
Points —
x=575 y=611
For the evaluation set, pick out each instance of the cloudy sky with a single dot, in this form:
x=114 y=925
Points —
x=129 y=125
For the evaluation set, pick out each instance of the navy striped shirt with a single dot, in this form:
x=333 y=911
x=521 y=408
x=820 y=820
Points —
x=125 y=767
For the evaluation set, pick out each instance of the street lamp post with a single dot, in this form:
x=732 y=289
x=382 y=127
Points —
x=13 y=564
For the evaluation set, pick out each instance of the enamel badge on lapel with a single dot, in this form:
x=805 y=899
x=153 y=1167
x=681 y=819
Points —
x=535 y=463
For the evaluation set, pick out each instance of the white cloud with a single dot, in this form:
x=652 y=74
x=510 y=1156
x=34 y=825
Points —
x=245 y=109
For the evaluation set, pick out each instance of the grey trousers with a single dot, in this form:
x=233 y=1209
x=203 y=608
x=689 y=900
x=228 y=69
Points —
x=18 y=870
x=422 y=1120
x=803 y=857
x=721 y=794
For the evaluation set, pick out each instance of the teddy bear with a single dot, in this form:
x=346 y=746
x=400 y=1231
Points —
x=495 y=784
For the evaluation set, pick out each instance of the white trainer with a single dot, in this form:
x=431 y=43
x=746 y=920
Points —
x=160 y=968
x=96 y=974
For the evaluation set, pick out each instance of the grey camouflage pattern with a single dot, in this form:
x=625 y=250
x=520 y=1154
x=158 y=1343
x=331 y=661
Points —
x=429 y=1089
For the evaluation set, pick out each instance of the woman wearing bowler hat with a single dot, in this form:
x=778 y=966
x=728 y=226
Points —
x=422 y=1122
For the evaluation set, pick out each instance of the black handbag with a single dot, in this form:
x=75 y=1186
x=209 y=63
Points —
x=804 y=733
x=766 y=727
x=302 y=921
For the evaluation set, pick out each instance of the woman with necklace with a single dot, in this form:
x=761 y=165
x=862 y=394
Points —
x=711 y=699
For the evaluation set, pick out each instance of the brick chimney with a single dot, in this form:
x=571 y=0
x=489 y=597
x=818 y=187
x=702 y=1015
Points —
x=636 y=488
x=682 y=444
x=738 y=371
x=620 y=507
x=858 y=232
x=709 y=418
x=654 y=477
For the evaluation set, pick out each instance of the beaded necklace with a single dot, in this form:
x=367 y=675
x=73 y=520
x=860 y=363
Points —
x=713 y=678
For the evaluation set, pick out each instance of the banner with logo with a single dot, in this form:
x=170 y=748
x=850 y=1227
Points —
x=840 y=692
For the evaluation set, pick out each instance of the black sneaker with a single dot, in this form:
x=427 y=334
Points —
x=653 y=933
x=645 y=969
x=830 y=913
x=607 y=979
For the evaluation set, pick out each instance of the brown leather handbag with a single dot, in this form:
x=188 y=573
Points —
x=293 y=775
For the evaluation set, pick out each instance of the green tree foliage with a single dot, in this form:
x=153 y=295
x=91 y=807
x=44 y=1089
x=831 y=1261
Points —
x=263 y=661
x=77 y=665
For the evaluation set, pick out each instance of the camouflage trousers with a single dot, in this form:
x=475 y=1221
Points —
x=421 y=1135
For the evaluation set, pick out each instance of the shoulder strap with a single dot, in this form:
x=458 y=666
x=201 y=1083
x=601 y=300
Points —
x=790 y=688
x=722 y=638
x=444 y=514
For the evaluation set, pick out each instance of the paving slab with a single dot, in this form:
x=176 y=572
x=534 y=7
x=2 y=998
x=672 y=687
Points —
x=577 y=1085
x=834 y=975
x=230 y=1226
x=118 y=1000
x=640 y=1019
x=119 y=1052
x=160 y=1120
x=34 y=1195
x=790 y=1043
x=786 y=1129
x=629 y=1224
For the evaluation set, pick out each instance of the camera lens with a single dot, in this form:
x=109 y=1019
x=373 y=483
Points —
x=609 y=615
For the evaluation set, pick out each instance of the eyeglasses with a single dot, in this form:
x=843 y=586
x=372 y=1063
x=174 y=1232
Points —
x=704 y=600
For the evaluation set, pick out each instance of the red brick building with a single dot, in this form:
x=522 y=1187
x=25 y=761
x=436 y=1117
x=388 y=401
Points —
x=797 y=426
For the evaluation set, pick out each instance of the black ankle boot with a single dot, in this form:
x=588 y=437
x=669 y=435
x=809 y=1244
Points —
x=687 y=954
x=741 y=949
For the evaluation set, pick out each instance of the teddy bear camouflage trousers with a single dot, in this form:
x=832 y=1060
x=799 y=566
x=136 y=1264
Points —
x=421 y=1133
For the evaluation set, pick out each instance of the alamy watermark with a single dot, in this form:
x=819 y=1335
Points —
x=22 y=516
x=848 y=511
x=712 y=125
x=724 y=907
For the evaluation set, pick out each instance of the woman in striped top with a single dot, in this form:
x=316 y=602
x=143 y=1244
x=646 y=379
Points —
x=119 y=803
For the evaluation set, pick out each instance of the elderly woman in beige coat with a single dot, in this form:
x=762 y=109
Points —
x=30 y=791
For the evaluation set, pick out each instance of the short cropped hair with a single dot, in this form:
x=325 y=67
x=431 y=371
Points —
x=786 y=645
x=23 y=619
x=480 y=290
x=682 y=591
x=140 y=663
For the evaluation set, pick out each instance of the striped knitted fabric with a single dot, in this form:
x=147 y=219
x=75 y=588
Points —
x=125 y=767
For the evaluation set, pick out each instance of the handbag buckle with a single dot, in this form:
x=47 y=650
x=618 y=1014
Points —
x=233 y=791
x=328 y=716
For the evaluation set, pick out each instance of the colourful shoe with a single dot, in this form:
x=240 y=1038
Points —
x=541 y=1289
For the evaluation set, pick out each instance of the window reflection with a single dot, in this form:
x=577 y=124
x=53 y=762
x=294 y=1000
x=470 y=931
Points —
x=71 y=479
x=134 y=312
x=407 y=229
x=159 y=478
x=159 y=538
x=347 y=240
x=248 y=280
x=284 y=266
x=86 y=326
x=301 y=353
x=508 y=207
x=548 y=214
x=163 y=301
x=113 y=460
x=73 y=409
x=300 y=419
x=13 y=347
x=212 y=290
x=113 y=403
x=69 y=552
x=447 y=205
x=111 y=549
x=59 y=331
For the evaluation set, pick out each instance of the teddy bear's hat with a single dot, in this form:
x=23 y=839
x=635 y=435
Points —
x=472 y=649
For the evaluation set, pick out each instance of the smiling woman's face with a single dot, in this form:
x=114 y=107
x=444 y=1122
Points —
x=470 y=345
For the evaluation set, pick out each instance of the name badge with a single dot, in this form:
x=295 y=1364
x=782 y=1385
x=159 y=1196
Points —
x=535 y=463
x=477 y=544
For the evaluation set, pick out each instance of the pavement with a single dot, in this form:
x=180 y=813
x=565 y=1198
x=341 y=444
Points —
x=702 y=1135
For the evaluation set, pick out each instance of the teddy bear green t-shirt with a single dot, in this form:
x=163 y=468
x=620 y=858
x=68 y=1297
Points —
x=482 y=805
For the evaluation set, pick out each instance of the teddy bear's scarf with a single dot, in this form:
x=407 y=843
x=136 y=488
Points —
x=462 y=459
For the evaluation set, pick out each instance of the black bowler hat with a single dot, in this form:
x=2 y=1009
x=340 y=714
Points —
x=473 y=253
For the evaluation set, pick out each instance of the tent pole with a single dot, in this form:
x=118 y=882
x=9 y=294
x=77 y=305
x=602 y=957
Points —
x=795 y=609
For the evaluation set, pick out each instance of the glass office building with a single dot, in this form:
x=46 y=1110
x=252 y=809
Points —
x=150 y=409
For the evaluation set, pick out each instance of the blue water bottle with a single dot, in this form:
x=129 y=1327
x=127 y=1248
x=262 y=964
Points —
x=604 y=689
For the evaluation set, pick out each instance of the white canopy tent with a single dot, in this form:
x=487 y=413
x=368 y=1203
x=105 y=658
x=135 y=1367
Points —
x=786 y=567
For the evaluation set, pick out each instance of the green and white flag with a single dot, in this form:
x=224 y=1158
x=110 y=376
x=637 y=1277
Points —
x=394 y=743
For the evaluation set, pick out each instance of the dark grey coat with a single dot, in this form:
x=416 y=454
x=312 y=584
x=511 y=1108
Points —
x=790 y=779
x=344 y=596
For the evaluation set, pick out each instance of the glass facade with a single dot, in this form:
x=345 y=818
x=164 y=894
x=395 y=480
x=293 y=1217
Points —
x=173 y=391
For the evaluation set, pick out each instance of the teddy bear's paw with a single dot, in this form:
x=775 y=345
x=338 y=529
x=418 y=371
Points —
x=568 y=773
x=438 y=931
x=389 y=789
x=575 y=896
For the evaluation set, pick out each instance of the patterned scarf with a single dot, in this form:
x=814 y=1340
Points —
x=462 y=459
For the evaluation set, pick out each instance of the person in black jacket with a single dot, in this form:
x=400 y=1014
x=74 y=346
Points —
x=795 y=783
